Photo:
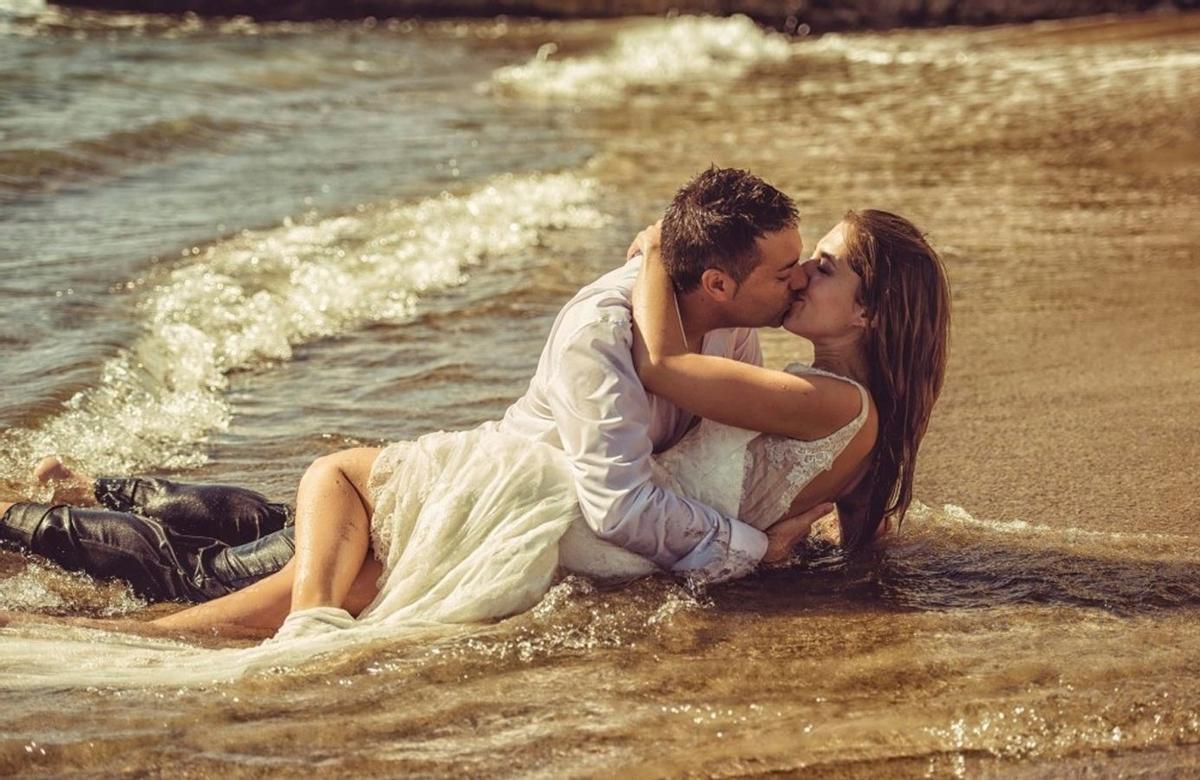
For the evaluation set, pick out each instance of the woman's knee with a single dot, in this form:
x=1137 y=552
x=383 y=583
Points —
x=352 y=466
x=352 y=462
x=321 y=471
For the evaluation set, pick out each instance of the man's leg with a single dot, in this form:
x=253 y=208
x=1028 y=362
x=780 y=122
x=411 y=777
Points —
x=245 y=564
x=160 y=562
x=232 y=514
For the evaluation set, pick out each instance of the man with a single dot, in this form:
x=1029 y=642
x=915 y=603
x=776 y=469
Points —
x=733 y=248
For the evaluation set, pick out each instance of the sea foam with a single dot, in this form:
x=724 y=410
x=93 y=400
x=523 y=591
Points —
x=247 y=301
x=659 y=54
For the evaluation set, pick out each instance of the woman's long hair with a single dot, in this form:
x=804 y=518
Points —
x=907 y=301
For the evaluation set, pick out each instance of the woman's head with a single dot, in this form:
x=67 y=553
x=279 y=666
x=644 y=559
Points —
x=876 y=286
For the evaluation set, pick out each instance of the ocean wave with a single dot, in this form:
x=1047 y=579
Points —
x=952 y=515
x=39 y=169
x=247 y=301
x=995 y=53
x=659 y=54
x=21 y=8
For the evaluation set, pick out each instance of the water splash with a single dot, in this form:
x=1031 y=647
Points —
x=659 y=54
x=246 y=302
x=52 y=591
x=21 y=8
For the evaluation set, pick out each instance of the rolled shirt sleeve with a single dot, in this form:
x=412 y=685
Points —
x=602 y=414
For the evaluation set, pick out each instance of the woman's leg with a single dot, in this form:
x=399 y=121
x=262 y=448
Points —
x=261 y=607
x=333 y=523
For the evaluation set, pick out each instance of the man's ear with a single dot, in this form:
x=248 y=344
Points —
x=718 y=284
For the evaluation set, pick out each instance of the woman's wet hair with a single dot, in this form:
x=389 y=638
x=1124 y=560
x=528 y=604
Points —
x=907 y=299
x=714 y=220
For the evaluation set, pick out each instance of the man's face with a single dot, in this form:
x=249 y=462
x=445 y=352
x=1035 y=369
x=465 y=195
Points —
x=764 y=297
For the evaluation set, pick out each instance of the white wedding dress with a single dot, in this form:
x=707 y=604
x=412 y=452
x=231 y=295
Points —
x=471 y=526
x=476 y=524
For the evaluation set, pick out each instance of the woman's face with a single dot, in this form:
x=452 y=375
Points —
x=827 y=306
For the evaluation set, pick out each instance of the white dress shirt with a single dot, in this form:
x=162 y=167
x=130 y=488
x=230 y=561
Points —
x=586 y=399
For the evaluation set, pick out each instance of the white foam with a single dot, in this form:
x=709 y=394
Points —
x=21 y=8
x=22 y=17
x=1130 y=544
x=44 y=588
x=659 y=54
x=937 y=49
x=248 y=301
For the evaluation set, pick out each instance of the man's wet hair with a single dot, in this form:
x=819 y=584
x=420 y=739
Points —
x=715 y=219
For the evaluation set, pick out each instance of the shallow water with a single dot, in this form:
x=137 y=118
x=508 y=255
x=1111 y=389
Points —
x=229 y=248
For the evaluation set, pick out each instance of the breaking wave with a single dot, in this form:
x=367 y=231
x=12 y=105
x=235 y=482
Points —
x=247 y=301
x=659 y=54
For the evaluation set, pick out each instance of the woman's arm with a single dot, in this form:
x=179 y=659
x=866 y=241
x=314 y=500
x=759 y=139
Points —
x=718 y=388
x=658 y=326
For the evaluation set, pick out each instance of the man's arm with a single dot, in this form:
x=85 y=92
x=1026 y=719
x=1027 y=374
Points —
x=603 y=419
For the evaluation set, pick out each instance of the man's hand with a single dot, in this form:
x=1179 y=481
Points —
x=787 y=533
x=645 y=242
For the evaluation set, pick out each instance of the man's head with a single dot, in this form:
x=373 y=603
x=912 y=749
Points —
x=734 y=238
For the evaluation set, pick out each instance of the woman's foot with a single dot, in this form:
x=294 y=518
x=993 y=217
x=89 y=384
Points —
x=69 y=487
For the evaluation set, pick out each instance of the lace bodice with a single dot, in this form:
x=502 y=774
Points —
x=749 y=475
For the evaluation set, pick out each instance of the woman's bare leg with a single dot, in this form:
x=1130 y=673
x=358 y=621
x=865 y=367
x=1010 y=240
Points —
x=261 y=607
x=333 y=523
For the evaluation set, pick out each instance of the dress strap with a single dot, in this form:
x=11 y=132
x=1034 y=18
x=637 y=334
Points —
x=863 y=395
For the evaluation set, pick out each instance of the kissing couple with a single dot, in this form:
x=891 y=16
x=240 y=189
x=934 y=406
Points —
x=650 y=438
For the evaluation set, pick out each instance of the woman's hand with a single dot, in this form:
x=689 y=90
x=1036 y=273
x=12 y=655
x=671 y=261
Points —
x=787 y=533
x=647 y=242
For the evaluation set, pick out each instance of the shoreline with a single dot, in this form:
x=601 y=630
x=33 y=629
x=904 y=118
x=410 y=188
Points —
x=793 y=16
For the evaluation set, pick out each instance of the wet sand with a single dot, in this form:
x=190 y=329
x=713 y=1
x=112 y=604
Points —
x=1078 y=399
